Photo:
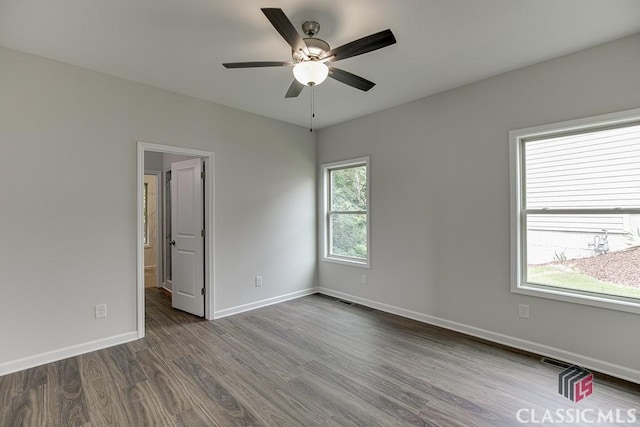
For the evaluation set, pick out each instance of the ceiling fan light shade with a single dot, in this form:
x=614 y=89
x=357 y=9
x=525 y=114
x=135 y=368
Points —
x=310 y=73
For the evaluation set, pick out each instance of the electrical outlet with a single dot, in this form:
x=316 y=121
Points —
x=363 y=279
x=101 y=311
x=258 y=281
x=523 y=311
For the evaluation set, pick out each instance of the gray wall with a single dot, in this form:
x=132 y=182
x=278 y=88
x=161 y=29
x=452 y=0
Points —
x=440 y=201
x=440 y=204
x=68 y=173
x=154 y=161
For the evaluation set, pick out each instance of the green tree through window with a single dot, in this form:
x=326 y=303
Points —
x=347 y=211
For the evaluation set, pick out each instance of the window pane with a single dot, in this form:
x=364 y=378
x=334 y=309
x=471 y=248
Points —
x=593 y=253
x=349 y=189
x=349 y=235
x=599 y=169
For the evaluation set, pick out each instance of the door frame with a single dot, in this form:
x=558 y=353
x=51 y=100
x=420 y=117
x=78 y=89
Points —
x=166 y=248
x=209 y=203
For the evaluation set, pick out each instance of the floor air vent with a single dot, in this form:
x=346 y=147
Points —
x=555 y=362
x=345 y=302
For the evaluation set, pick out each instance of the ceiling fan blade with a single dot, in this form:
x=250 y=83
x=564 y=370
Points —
x=358 y=47
x=257 y=64
x=350 y=79
x=286 y=29
x=295 y=89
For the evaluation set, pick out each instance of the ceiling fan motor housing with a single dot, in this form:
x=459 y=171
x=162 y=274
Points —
x=316 y=47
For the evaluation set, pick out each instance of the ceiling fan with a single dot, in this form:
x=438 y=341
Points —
x=311 y=55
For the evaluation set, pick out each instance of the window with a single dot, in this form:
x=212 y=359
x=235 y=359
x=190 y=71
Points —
x=346 y=212
x=576 y=211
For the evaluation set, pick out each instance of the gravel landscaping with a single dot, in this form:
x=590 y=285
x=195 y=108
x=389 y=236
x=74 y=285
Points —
x=621 y=267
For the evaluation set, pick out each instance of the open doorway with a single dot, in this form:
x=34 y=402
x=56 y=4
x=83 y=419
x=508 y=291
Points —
x=151 y=222
x=184 y=234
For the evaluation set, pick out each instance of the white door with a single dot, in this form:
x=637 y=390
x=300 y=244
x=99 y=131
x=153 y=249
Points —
x=187 y=241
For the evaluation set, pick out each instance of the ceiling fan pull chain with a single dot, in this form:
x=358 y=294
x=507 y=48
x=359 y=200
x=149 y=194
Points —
x=313 y=113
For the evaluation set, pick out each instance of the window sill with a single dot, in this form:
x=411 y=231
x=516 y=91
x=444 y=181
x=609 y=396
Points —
x=602 y=301
x=345 y=261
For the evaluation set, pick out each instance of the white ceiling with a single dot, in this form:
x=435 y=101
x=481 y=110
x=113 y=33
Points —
x=180 y=44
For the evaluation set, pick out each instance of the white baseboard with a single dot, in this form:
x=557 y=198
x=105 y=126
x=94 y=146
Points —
x=64 y=353
x=532 y=347
x=544 y=350
x=219 y=314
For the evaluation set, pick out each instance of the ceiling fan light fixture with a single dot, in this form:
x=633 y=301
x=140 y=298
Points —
x=310 y=73
x=310 y=55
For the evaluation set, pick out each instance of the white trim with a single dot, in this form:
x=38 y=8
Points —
x=165 y=242
x=139 y=242
x=323 y=206
x=594 y=122
x=518 y=239
x=575 y=296
x=210 y=226
x=219 y=314
x=64 y=353
x=208 y=156
x=344 y=164
x=602 y=366
x=345 y=261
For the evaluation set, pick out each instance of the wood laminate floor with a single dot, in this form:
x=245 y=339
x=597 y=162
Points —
x=313 y=361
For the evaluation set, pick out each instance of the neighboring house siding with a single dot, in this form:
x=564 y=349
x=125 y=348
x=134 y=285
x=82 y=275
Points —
x=596 y=170
x=580 y=223
x=581 y=171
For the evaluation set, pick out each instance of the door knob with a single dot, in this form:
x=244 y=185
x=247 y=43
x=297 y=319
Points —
x=172 y=243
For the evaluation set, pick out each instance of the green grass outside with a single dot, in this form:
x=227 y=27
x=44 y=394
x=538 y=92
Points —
x=564 y=277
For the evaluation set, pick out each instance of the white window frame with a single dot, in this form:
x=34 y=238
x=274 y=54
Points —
x=518 y=227
x=326 y=168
